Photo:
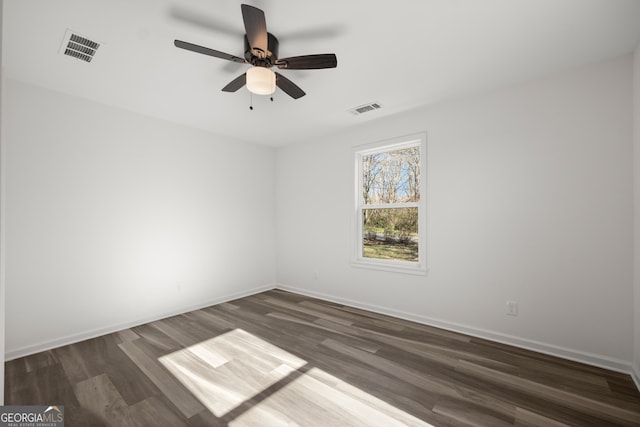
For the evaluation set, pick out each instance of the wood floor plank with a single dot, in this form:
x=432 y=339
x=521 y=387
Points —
x=152 y=336
x=76 y=365
x=177 y=331
x=470 y=414
x=39 y=360
x=341 y=394
x=226 y=370
x=103 y=356
x=171 y=388
x=48 y=385
x=430 y=383
x=153 y=411
x=538 y=367
x=333 y=404
x=278 y=358
x=127 y=335
x=426 y=329
x=210 y=321
x=437 y=353
x=611 y=412
x=100 y=396
x=417 y=378
x=309 y=311
x=526 y=418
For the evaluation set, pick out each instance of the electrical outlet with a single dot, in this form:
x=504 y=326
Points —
x=512 y=308
x=315 y=275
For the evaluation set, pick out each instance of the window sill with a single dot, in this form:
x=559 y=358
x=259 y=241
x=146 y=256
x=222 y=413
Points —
x=391 y=266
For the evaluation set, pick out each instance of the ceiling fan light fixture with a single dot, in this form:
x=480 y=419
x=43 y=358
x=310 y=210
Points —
x=261 y=81
x=261 y=51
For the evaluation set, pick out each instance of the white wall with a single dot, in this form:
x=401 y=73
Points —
x=636 y=139
x=2 y=213
x=529 y=199
x=114 y=218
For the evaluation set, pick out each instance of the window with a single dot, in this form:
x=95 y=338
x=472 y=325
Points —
x=390 y=218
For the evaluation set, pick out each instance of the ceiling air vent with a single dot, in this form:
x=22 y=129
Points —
x=365 y=108
x=79 y=47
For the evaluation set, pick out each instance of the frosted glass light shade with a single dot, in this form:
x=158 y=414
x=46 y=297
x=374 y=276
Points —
x=261 y=81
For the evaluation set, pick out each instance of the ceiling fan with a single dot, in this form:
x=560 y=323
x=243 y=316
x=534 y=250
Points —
x=261 y=51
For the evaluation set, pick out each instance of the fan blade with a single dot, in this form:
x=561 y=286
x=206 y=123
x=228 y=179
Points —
x=256 y=27
x=289 y=87
x=206 y=51
x=236 y=83
x=308 y=62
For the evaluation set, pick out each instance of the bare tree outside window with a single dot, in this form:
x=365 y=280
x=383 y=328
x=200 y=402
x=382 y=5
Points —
x=390 y=196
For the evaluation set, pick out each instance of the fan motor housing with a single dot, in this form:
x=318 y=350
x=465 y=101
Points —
x=270 y=56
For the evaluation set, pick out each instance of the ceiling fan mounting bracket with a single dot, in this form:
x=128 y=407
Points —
x=258 y=57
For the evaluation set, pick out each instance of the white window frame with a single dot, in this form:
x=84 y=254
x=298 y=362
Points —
x=400 y=266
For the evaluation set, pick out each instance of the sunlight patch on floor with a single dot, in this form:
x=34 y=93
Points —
x=225 y=371
x=322 y=399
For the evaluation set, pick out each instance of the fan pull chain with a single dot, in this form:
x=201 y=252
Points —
x=251 y=100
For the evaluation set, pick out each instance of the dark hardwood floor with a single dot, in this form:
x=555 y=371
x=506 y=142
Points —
x=278 y=358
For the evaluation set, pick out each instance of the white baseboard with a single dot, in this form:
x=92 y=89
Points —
x=85 y=335
x=565 y=353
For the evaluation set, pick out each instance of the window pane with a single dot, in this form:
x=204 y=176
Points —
x=391 y=176
x=390 y=234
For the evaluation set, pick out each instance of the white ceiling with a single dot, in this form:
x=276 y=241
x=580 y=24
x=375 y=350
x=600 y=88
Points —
x=402 y=54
